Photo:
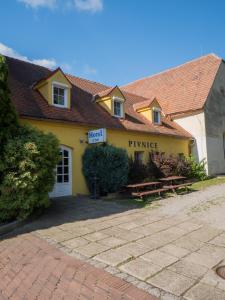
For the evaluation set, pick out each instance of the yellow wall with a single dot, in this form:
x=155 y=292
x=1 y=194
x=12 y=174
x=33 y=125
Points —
x=71 y=136
x=45 y=87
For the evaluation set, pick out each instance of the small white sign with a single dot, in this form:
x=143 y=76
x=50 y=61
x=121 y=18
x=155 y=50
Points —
x=97 y=136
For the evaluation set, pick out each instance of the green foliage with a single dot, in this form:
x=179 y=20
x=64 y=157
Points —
x=109 y=164
x=162 y=165
x=8 y=115
x=138 y=172
x=27 y=166
x=197 y=170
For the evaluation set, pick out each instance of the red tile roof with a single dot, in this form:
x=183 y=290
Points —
x=31 y=104
x=180 y=89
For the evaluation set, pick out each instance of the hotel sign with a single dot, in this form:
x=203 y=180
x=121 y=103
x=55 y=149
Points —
x=143 y=144
x=97 y=136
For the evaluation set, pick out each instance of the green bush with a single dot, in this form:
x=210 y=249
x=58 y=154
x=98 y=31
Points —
x=138 y=172
x=108 y=164
x=27 y=166
x=197 y=170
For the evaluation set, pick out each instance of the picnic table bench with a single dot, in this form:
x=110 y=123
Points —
x=158 y=187
x=172 y=182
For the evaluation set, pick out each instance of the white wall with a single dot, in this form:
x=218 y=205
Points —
x=195 y=125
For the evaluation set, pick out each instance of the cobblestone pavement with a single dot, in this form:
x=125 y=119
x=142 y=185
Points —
x=30 y=268
x=169 y=249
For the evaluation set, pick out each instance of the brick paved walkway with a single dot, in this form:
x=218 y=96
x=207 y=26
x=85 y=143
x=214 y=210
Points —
x=30 y=268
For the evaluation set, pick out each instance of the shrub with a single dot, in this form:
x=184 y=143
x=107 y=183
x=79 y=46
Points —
x=27 y=166
x=109 y=164
x=138 y=171
x=197 y=170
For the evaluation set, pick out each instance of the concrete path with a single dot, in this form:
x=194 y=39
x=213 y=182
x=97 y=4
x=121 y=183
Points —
x=170 y=249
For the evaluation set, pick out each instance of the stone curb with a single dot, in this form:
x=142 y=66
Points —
x=6 y=228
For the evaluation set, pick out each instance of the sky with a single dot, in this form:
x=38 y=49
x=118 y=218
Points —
x=111 y=41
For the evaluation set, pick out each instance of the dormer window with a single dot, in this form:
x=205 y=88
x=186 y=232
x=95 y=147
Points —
x=156 y=116
x=59 y=95
x=117 y=107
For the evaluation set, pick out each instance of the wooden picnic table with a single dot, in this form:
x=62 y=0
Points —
x=172 y=178
x=138 y=186
x=172 y=185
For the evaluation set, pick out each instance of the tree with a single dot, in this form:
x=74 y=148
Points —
x=9 y=123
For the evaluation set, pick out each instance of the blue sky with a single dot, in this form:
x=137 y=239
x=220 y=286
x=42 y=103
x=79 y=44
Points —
x=112 y=41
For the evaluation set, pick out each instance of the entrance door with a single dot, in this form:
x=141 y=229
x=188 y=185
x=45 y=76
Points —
x=63 y=185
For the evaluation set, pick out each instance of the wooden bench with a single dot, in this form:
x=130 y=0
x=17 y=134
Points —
x=177 y=186
x=151 y=192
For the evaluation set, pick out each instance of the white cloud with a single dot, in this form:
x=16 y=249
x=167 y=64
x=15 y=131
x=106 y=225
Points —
x=39 y=3
x=88 y=70
x=89 y=5
x=48 y=63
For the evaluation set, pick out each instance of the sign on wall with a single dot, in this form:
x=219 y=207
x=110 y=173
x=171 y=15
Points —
x=143 y=144
x=97 y=136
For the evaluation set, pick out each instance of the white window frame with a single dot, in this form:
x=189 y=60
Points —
x=156 y=109
x=119 y=100
x=61 y=86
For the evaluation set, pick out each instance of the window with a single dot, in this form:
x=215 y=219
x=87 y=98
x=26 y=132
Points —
x=62 y=174
x=118 y=108
x=138 y=156
x=156 y=116
x=59 y=95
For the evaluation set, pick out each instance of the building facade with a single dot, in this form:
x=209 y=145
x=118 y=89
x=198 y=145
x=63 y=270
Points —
x=71 y=107
x=172 y=112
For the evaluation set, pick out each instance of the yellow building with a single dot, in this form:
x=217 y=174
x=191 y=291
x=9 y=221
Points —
x=73 y=108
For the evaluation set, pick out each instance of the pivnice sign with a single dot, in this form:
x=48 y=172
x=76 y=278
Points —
x=143 y=145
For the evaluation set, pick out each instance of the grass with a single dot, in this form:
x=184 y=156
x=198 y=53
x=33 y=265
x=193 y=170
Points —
x=206 y=183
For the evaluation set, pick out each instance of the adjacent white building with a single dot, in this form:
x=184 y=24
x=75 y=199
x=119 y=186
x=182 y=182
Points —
x=193 y=95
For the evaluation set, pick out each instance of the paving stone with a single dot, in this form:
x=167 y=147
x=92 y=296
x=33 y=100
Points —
x=175 y=250
x=219 y=240
x=113 y=257
x=143 y=230
x=188 y=269
x=95 y=236
x=204 y=234
x=79 y=231
x=212 y=250
x=74 y=243
x=92 y=249
x=112 y=242
x=189 y=226
x=204 y=292
x=211 y=278
x=128 y=225
x=129 y=235
x=159 y=258
x=33 y=269
x=61 y=236
x=140 y=268
x=171 y=282
x=188 y=243
x=202 y=259
x=134 y=249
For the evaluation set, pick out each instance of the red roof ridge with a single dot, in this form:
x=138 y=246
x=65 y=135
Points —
x=84 y=79
x=173 y=68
